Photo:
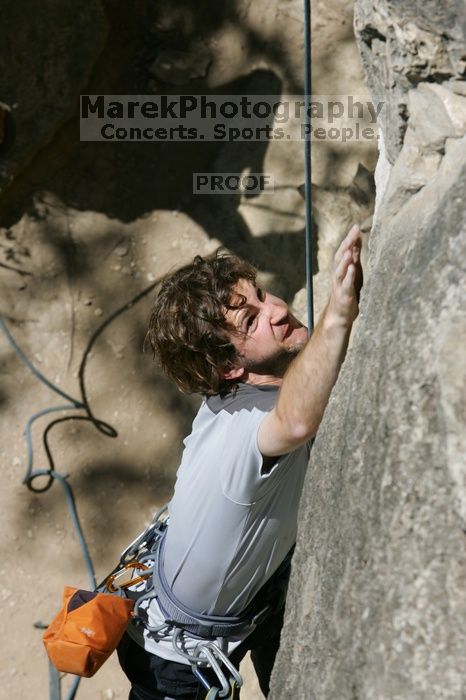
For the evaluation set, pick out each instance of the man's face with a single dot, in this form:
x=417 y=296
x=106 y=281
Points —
x=269 y=335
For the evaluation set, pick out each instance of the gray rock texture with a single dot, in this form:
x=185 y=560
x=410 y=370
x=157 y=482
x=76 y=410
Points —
x=377 y=602
x=45 y=61
x=403 y=44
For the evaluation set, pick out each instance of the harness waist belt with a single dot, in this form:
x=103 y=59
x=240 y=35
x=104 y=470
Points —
x=271 y=596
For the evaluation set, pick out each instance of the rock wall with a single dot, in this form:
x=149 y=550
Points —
x=377 y=601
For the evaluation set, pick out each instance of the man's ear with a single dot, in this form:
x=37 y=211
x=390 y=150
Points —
x=232 y=372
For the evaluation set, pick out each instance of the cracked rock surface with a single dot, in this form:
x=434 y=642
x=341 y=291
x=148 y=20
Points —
x=403 y=44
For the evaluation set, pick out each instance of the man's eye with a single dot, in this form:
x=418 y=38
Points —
x=250 y=321
x=260 y=294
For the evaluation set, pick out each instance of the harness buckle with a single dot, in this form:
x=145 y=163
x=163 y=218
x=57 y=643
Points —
x=205 y=631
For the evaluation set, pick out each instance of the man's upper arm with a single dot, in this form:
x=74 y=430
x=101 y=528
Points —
x=274 y=438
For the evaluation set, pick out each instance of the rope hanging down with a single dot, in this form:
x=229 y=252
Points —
x=307 y=163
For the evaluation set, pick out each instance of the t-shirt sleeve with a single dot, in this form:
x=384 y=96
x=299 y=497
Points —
x=241 y=460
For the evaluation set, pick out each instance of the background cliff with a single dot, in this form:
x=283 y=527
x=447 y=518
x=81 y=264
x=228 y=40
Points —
x=377 y=601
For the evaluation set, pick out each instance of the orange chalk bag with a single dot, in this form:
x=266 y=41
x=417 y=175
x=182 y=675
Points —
x=90 y=624
x=86 y=631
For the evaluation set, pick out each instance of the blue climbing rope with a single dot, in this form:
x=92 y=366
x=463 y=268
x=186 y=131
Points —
x=307 y=162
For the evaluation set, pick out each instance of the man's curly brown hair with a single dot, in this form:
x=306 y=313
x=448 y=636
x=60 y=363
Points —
x=188 y=331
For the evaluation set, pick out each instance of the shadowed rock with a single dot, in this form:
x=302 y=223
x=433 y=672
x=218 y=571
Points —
x=45 y=61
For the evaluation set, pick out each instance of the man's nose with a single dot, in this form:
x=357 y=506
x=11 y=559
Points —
x=276 y=310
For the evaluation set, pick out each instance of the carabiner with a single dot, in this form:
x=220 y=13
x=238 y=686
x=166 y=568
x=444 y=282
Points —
x=112 y=582
x=223 y=658
x=212 y=661
x=142 y=540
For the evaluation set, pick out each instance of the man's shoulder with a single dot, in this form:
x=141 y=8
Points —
x=245 y=398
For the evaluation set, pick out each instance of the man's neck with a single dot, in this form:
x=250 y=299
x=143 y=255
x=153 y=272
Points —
x=262 y=379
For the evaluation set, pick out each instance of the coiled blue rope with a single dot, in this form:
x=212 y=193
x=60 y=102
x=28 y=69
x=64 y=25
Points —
x=51 y=474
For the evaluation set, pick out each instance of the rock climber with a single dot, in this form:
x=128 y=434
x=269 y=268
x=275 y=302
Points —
x=233 y=515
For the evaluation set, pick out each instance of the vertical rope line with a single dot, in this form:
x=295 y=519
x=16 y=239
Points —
x=307 y=163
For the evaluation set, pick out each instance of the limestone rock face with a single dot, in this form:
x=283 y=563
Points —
x=45 y=62
x=403 y=44
x=377 y=601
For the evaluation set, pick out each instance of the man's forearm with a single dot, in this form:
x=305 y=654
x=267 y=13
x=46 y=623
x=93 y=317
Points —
x=309 y=380
x=307 y=384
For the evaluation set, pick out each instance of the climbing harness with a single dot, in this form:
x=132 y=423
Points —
x=143 y=560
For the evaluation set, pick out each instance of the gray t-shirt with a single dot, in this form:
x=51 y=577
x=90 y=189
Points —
x=231 y=525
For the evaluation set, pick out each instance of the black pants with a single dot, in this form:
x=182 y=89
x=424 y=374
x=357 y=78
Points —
x=154 y=678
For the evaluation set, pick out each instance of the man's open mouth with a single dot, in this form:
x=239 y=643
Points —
x=289 y=328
